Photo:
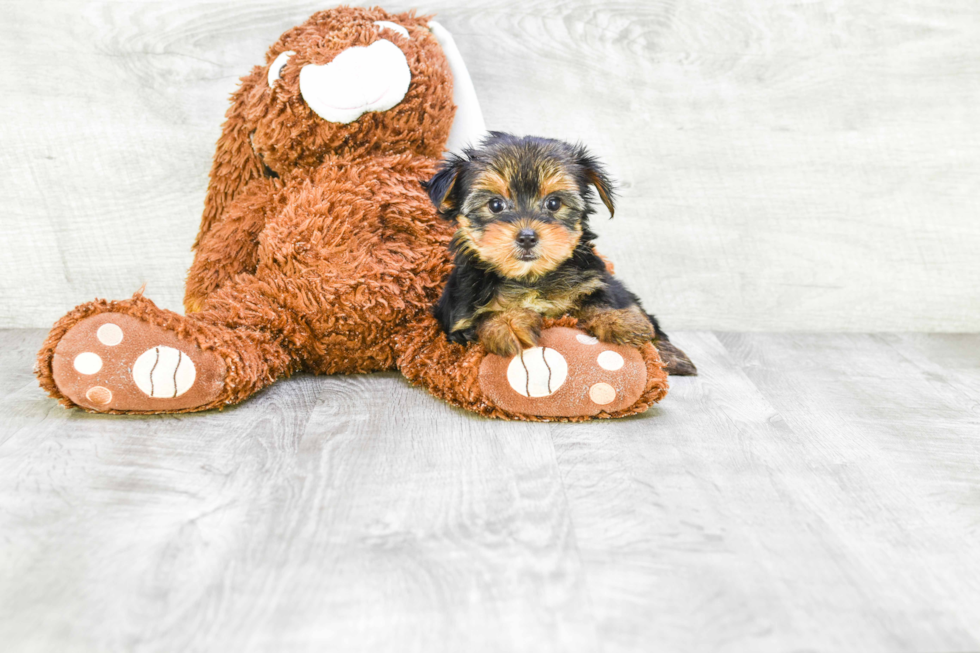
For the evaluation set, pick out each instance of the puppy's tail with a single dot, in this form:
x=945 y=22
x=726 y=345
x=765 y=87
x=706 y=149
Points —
x=675 y=361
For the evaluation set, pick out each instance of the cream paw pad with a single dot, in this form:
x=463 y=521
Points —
x=114 y=361
x=569 y=373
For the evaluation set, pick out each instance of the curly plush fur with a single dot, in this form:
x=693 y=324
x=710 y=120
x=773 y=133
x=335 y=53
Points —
x=318 y=248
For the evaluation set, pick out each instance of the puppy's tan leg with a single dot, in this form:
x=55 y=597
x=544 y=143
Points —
x=508 y=332
x=620 y=326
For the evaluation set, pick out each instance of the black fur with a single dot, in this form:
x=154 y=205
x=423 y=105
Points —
x=440 y=185
x=472 y=285
x=452 y=181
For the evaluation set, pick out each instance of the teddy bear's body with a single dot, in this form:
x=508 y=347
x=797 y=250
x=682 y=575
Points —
x=352 y=250
x=319 y=251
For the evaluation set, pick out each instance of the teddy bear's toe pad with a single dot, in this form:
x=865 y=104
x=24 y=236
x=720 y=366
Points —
x=114 y=361
x=568 y=374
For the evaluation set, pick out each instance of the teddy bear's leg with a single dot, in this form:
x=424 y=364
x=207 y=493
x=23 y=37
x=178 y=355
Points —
x=569 y=376
x=132 y=356
x=228 y=249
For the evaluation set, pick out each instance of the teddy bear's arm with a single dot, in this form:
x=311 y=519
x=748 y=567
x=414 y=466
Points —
x=231 y=246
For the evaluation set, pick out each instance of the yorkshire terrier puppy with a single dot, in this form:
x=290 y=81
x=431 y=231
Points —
x=523 y=250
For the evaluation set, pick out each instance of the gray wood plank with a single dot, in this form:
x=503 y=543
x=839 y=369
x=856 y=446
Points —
x=331 y=513
x=17 y=350
x=444 y=532
x=811 y=494
x=953 y=357
x=806 y=492
x=114 y=531
x=897 y=446
x=784 y=166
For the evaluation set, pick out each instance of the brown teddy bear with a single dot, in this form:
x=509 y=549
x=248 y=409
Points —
x=319 y=251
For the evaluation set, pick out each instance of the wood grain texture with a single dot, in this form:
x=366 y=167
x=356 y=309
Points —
x=806 y=492
x=783 y=166
x=327 y=513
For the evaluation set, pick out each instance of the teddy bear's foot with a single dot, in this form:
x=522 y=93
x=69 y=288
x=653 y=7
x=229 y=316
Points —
x=572 y=374
x=113 y=362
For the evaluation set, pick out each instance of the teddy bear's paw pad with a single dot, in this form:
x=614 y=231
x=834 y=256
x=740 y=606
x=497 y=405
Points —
x=114 y=361
x=569 y=374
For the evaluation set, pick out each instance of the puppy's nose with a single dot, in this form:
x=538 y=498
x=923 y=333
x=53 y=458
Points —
x=527 y=238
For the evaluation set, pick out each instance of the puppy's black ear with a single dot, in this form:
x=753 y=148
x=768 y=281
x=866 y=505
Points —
x=442 y=187
x=596 y=175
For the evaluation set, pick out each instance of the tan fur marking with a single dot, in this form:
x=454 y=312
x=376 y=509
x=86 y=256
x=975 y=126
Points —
x=601 y=189
x=610 y=267
x=555 y=182
x=507 y=333
x=465 y=323
x=556 y=244
x=624 y=326
x=497 y=246
x=492 y=181
x=550 y=304
x=513 y=296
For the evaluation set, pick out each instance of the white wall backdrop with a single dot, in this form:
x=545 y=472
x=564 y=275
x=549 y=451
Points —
x=784 y=165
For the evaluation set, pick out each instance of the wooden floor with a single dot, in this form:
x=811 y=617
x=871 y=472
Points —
x=806 y=492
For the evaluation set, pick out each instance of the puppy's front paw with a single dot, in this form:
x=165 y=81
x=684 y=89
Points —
x=623 y=326
x=507 y=333
x=462 y=337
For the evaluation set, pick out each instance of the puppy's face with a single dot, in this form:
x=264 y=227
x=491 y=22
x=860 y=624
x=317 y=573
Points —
x=521 y=203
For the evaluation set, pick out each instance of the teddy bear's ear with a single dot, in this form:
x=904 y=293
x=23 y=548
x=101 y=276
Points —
x=442 y=187
x=468 y=125
x=235 y=162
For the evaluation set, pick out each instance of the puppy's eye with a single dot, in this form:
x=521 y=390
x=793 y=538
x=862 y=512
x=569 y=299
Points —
x=496 y=205
x=275 y=70
x=553 y=204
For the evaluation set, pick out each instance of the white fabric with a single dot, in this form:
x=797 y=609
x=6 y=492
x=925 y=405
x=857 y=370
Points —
x=275 y=70
x=164 y=372
x=358 y=80
x=537 y=372
x=395 y=27
x=468 y=126
x=377 y=77
x=610 y=360
x=109 y=334
x=88 y=363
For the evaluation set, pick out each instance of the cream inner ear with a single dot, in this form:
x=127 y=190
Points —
x=395 y=27
x=468 y=125
x=275 y=70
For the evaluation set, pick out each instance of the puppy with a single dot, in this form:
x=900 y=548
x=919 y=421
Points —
x=523 y=250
